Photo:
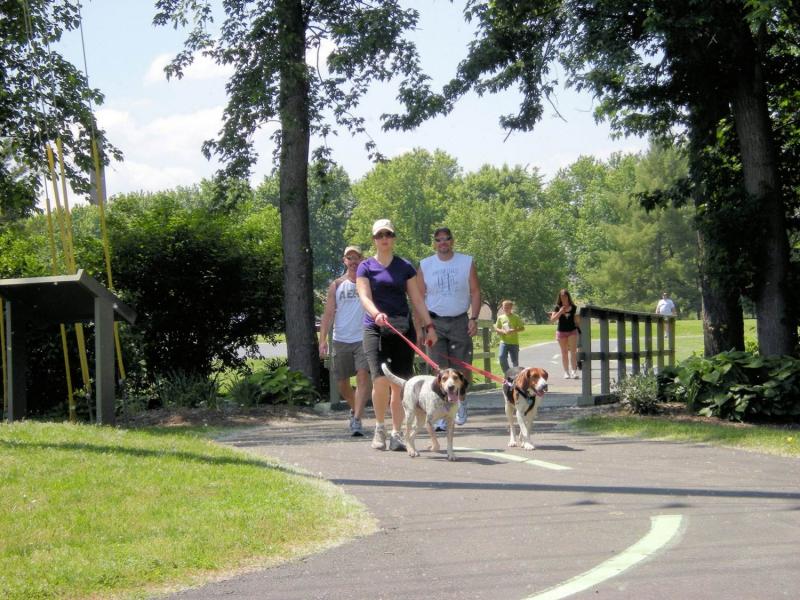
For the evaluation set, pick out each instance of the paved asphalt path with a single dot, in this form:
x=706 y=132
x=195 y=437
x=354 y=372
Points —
x=491 y=527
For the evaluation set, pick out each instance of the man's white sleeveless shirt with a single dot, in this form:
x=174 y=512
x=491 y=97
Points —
x=348 y=326
x=447 y=284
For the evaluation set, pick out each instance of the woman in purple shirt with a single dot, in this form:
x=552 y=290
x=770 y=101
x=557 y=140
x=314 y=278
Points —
x=383 y=281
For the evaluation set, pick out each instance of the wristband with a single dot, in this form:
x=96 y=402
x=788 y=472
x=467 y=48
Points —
x=473 y=318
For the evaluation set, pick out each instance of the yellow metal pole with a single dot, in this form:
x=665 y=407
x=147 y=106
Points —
x=54 y=269
x=87 y=382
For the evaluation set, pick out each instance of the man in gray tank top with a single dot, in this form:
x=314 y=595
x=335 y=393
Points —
x=449 y=282
x=343 y=309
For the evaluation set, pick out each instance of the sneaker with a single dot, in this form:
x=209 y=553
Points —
x=575 y=375
x=379 y=439
x=441 y=425
x=461 y=415
x=396 y=442
x=356 y=429
x=566 y=375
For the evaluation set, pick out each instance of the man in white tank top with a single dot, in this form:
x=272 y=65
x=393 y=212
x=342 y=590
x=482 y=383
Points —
x=344 y=310
x=449 y=282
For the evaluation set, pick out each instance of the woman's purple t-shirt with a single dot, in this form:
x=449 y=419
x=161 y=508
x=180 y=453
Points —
x=388 y=285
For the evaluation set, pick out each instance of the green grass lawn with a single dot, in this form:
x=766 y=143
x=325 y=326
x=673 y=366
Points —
x=100 y=512
x=768 y=440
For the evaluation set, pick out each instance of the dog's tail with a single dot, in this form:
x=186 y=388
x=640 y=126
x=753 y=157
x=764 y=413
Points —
x=392 y=377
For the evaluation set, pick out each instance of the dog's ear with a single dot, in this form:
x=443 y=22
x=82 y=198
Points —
x=436 y=386
x=464 y=384
x=545 y=374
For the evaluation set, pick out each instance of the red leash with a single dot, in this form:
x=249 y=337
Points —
x=474 y=369
x=416 y=348
x=452 y=359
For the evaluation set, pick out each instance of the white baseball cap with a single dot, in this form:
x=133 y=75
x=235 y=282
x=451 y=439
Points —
x=382 y=225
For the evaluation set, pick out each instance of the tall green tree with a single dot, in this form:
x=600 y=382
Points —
x=517 y=254
x=413 y=191
x=507 y=184
x=654 y=65
x=330 y=204
x=266 y=41
x=42 y=97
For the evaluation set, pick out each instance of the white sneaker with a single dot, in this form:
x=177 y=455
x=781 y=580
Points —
x=566 y=375
x=575 y=375
x=379 y=439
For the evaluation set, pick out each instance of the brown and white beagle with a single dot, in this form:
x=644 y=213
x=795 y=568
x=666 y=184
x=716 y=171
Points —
x=523 y=390
x=428 y=398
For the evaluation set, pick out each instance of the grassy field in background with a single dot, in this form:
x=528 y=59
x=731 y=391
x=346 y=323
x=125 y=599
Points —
x=100 y=512
x=688 y=337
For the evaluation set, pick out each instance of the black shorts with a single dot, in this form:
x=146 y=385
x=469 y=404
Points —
x=385 y=346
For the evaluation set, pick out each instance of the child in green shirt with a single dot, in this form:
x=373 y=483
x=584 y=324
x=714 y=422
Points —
x=508 y=325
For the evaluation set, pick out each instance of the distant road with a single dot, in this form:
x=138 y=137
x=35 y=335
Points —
x=277 y=350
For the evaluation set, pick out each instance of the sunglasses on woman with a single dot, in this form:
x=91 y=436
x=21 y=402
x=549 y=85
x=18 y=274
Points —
x=383 y=234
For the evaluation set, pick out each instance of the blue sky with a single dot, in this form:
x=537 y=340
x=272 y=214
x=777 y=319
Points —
x=160 y=125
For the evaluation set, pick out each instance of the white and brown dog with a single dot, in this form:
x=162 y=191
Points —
x=428 y=398
x=523 y=390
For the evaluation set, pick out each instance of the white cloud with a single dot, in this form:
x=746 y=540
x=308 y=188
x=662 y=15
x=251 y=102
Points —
x=202 y=68
x=165 y=152
x=133 y=176
x=162 y=153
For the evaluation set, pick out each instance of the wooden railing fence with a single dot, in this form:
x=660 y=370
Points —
x=635 y=344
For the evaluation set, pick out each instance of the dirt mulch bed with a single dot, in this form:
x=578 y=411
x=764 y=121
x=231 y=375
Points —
x=282 y=414
x=205 y=417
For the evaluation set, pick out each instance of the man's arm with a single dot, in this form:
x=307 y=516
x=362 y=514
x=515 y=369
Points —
x=327 y=318
x=474 y=300
x=415 y=316
x=421 y=311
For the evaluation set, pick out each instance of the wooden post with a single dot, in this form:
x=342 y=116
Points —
x=605 y=379
x=660 y=344
x=586 y=398
x=635 y=346
x=17 y=353
x=487 y=361
x=671 y=341
x=104 y=366
x=622 y=364
x=648 y=344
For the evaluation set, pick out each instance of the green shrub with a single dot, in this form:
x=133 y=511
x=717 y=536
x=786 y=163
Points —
x=638 y=394
x=274 y=383
x=737 y=386
x=245 y=392
x=282 y=385
x=205 y=282
x=187 y=390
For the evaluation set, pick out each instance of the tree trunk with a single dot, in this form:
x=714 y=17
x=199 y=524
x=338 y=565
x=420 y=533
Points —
x=777 y=327
x=723 y=323
x=298 y=300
